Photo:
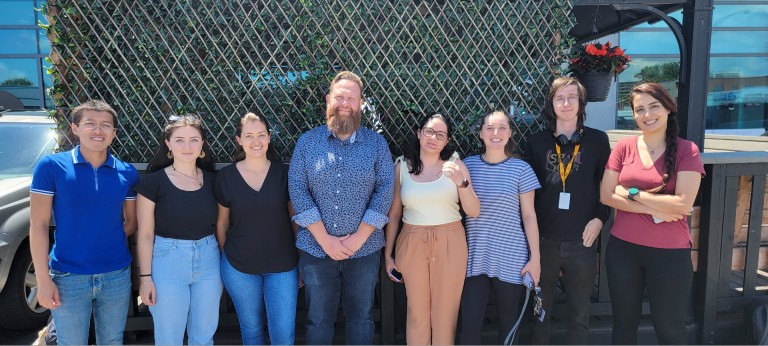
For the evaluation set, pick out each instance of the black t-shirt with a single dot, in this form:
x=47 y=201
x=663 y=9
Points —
x=179 y=214
x=583 y=183
x=260 y=238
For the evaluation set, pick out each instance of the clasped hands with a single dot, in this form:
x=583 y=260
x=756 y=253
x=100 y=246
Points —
x=342 y=247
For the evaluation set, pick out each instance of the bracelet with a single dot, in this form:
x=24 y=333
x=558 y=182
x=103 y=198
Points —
x=143 y=275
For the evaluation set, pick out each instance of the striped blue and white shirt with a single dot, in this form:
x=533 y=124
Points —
x=496 y=240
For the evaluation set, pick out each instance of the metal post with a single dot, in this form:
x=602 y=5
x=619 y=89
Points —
x=692 y=92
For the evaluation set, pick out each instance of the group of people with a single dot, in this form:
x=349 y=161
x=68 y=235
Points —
x=452 y=230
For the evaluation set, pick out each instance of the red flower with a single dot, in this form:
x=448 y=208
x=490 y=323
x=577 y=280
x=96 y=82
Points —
x=598 y=57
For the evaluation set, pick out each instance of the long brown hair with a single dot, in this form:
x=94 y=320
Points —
x=661 y=94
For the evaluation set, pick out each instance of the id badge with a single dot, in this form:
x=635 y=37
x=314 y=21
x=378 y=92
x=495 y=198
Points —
x=565 y=201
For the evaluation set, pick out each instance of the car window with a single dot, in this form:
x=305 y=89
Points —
x=22 y=145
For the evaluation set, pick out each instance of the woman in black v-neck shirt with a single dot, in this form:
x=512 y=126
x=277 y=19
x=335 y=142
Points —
x=257 y=238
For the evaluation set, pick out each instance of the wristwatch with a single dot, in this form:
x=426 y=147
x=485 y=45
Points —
x=464 y=184
x=633 y=191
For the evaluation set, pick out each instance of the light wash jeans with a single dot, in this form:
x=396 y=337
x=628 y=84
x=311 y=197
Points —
x=188 y=284
x=107 y=295
x=252 y=294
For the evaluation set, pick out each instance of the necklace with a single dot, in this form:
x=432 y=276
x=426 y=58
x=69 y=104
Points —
x=197 y=178
x=653 y=151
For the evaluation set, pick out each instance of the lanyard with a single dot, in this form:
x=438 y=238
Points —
x=564 y=172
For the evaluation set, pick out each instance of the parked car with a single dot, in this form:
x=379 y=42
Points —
x=25 y=137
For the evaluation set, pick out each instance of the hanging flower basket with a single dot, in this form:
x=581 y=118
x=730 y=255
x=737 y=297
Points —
x=594 y=65
x=598 y=85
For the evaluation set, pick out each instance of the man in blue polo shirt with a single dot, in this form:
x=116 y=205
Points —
x=91 y=195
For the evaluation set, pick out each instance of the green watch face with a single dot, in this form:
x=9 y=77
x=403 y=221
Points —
x=633 y=191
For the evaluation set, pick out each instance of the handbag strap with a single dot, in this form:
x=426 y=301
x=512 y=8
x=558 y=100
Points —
x=513 y=331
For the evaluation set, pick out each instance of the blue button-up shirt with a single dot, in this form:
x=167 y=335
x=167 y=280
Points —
x=341 y=183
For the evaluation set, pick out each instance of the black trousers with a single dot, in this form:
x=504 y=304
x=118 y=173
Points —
x=474 y=300
x=579 y=269
x=667 y=274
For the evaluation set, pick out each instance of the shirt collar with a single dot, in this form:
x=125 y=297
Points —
x=77 y=157
x=351 y=138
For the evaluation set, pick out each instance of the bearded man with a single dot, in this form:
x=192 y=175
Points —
x=341 y=183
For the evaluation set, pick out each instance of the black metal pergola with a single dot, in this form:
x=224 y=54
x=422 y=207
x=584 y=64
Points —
x=597 y=18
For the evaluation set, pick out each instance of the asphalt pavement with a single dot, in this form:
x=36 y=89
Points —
x=18 y=337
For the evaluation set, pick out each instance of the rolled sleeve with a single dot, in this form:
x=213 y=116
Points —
x=307 y=217
x=374 y=218
x=307 y=212
x=383 y=193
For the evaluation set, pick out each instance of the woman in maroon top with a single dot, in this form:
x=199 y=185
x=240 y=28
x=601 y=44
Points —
x=652 y=181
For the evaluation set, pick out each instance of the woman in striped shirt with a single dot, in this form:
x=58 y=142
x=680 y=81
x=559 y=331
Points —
x=500 y=250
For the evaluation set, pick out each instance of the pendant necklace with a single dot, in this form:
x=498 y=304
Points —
x=197 y=179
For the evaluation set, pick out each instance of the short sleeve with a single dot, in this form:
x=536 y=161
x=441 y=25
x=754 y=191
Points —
x=528 y=180
x=44 y=177
x=689 y=157
x=133 y=179
x=220 y=186
x=618 y=155
x=284 y=172
x=149 y=186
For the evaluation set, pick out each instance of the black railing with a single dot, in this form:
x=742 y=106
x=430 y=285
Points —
x=713 y=292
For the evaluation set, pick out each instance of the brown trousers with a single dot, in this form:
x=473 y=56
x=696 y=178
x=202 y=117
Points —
x=433 y=261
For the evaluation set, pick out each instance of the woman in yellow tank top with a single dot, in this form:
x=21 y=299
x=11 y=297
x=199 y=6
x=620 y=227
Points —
x=431 y=187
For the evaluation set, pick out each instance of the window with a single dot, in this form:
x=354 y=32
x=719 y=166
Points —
x=17 y=12
x=18 y=41
x=738 y=72
x=738 y=93
x=19 y=76
x=22 y=52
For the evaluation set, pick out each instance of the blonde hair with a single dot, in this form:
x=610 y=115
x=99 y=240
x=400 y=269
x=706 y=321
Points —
x=350 y=76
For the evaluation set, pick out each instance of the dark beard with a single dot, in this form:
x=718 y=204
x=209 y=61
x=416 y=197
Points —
x=339 y=125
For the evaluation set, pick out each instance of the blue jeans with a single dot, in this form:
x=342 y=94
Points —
x=107 y=295
x=253 y=293
x=188 y=284
x=352 y=280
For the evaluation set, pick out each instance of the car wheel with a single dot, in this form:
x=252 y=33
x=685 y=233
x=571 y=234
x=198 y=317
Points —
x=21 y=309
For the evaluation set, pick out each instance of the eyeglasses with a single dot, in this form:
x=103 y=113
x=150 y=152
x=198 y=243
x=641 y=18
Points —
x=93 y=126
x=440 y=135
x=571 y=100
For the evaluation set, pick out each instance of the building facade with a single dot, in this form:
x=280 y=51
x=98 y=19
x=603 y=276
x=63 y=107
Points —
x=737 y=101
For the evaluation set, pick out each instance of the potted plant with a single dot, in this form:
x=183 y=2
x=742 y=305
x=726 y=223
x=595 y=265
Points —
x=594 y=64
